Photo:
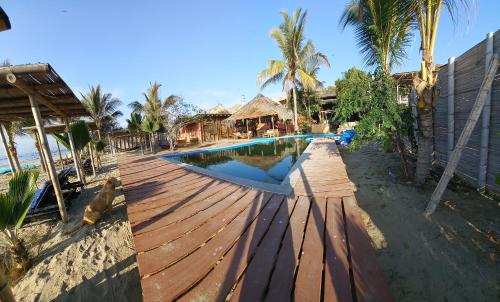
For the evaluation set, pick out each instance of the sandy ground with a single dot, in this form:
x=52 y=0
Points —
x=451 y=257
x=96 y=263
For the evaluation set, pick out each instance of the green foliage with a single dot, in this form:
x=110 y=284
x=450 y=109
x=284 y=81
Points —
x=15 y=203
x=134 y=123
x=103 y=107
x=384 y=118
x=100 y=145
x=150 y=124
x=81 y=136
x=382 y=30
x=353 y=95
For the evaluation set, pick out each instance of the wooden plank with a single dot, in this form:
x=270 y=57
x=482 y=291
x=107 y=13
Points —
x=253 y=284
x=172 y=282
x=368 y=278
x=282 y=279
x=212 y=219
x=218 y=283
x=309 y=274
x=209 y=197
x=337 y=285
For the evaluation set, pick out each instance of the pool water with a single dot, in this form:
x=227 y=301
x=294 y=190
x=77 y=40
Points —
x=268 y=161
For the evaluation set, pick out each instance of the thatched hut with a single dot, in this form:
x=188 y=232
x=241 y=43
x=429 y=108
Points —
x=261 y=114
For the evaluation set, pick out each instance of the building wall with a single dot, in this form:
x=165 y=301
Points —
x=468 y=76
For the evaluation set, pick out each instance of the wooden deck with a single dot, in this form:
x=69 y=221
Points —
x=203 y=239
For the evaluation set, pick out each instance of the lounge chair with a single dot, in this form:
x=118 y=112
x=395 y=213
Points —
x=45 y=201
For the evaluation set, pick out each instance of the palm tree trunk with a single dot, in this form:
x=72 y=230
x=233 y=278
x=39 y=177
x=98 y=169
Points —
x=13 y=151
x=425 y=145
x=295 y=109
x=151 y=142
x=19 y=252
x=40 y=154
x=6 y=294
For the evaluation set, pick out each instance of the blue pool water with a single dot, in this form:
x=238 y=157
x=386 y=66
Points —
x=264 y=160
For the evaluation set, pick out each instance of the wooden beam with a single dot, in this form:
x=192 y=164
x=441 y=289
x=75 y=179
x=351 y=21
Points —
x=74 y=154
x=464 y=136
x=6 y=149
x=11 y=78
x=21 y=101
x=51 y=168
x=451 y=106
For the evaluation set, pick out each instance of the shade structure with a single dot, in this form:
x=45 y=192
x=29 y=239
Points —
x=37 y=92
x=54 y=97
x=260 y=106
x=4 y=20
x=59 y=128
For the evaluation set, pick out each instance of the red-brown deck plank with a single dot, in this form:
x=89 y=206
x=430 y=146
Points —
x=281 y=285
x=337 y=285
x=175 y=280
x=212 y=221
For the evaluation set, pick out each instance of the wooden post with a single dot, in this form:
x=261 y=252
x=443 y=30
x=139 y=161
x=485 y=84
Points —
x=13 y=155
x=485 y=127
x=272 y=121
x=6 y=148
x=92 y=161
x=413 y=104
x=464 y=136
x=74 y=154
x=451 y=106
x=40 y=153
x=46 y=151
x=5 y=291
x=60 y=156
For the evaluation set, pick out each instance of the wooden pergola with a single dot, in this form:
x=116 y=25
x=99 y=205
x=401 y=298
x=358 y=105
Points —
x=36 y=91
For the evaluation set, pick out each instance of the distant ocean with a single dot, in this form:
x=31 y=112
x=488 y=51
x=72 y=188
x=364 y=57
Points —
x=29 y=157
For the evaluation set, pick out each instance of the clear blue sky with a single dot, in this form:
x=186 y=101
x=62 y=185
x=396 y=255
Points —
x=209 y=52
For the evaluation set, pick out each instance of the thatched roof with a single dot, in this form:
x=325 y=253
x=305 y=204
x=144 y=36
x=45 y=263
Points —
x=218 y=110
x=258 y=107
x=4 y=20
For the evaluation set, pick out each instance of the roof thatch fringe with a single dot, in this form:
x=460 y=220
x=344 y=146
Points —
x=260 y=106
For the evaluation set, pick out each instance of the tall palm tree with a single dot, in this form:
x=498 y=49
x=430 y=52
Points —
x=151 y=125
x=382 y=31
x=14 y=204
x=101 y=106
x=14 y=129
x=297 y=53
x=426 y=14
x=153 y=105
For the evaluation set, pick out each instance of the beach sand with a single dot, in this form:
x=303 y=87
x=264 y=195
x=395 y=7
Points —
x=96 y=263
x=451 y=257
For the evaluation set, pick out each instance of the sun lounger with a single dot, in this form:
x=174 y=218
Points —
x=45 y=202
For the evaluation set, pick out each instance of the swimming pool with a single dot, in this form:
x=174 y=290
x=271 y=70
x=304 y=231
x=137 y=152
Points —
x=263 y=160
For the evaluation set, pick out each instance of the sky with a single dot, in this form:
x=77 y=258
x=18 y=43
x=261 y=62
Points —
x=208 y=52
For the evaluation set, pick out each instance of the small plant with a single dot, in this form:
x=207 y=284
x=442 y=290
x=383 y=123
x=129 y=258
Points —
x=14 y=205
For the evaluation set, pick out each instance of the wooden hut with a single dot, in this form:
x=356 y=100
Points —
x=206 y=127
x=260 y=115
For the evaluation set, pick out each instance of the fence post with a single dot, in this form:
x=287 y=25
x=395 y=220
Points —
x=485 y=129
x=451 y=106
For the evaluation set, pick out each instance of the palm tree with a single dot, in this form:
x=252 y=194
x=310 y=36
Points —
x=426 y=14
x=150 y=124
x=101 y=106
x=382 y=31
x=81 y=138
x=153 y=105
x=297 y=54
x=14 y=129
x=14 y=204
x=134 y=123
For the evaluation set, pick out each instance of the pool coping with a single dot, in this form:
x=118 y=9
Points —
x=285 y=187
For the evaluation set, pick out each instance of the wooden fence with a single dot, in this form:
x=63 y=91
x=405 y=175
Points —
x=459 y=83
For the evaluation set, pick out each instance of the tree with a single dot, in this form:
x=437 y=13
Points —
x=151 y=125
x=14 y=129
x=81 y=137
x=179 y=114
x=14 y=205
x=134 y=123
x=103 y=108
x=382 y=29
x=353 y=95
x=297 y=54
x=426 y=14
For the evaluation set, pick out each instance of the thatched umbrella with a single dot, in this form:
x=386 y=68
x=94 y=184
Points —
x=260 y=106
